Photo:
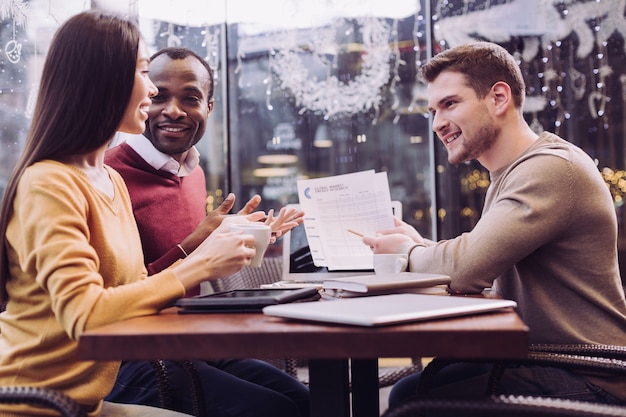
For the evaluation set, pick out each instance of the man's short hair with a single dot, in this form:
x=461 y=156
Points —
x=182 y=53
x=483 y=64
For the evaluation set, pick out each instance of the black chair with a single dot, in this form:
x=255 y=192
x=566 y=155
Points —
x=578 y=357
x=504 y=406
x=67 y=407
x=389 y=377
x=606 y=359
x=165 y=388
x=44 y=397
x=269 y=272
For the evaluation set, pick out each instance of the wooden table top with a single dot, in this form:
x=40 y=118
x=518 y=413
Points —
x=170 y=335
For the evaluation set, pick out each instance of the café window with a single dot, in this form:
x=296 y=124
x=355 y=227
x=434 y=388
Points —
x=306 y=90
x=332 y=90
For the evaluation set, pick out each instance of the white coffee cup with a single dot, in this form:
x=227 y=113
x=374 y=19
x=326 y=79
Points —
x=390 y=263
x=262 y=234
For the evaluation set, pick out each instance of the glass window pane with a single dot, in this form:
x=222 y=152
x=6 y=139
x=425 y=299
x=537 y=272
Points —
x=25 y=32
x=318 y=91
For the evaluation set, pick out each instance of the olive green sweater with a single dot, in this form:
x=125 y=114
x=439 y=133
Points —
x=76 y=263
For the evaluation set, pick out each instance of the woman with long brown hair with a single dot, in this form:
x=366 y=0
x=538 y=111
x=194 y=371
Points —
x=71 y=257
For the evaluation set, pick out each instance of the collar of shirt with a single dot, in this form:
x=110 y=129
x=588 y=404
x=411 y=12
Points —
x=161 y=161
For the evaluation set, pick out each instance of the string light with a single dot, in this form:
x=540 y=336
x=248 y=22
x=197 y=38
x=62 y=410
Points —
x=616 y=181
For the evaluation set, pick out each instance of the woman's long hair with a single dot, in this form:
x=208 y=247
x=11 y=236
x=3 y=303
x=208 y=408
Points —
x=86 y=83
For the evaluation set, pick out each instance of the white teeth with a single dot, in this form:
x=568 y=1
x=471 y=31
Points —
x=452 y=138
x=173 y=129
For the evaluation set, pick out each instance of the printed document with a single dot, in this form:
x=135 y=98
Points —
x=333 y=206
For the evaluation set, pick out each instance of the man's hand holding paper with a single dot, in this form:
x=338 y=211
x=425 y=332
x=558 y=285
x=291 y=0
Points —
x=394 y=240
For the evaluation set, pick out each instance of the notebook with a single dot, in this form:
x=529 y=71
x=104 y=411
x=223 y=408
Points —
x=382 y=310
x=378 y=284
x=298 y=263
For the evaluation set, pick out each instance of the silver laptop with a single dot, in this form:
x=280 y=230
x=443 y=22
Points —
x=382 y=310
x=297 y=262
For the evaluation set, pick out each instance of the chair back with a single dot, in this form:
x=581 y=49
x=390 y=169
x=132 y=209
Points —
x=249 y=277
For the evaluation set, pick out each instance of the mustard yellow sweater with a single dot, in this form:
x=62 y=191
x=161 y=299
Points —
x=76 y=263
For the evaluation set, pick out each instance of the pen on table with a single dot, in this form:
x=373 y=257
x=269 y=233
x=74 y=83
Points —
x=354 y=232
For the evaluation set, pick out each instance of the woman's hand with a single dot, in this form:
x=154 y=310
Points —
x=215 y=218
x=221 y=254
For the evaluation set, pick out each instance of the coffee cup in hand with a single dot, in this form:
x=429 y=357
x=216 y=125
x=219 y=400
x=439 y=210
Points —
x=390 y=263
x=262 y=234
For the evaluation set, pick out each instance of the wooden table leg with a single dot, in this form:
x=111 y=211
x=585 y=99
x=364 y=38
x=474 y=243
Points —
x=365 y=393
x=330 y=390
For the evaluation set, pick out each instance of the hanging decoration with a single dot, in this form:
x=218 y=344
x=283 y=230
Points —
x=332 y=96
x=577 y=82
x=13 y=49
x=172 y=39
x=542 y=19
x=396 y=76
x=597 y=99
x=268 y=82
x=539 y=31
x=211 y=41
x=418 y=97
x=16 y=11
x=534 y=105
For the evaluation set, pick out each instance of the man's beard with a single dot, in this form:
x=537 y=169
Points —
x=472 y=148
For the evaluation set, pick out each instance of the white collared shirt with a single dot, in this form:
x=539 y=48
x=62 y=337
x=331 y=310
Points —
x=161 y=161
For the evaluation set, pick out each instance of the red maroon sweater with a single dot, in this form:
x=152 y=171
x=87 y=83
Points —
x=167 y=207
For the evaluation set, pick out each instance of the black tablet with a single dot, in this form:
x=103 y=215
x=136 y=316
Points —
x=244 y=300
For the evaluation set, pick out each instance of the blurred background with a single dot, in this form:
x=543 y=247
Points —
x=312 y=89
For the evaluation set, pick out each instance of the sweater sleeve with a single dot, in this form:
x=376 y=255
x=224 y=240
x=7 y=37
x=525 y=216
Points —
x=529 y=207
x=84 y=253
